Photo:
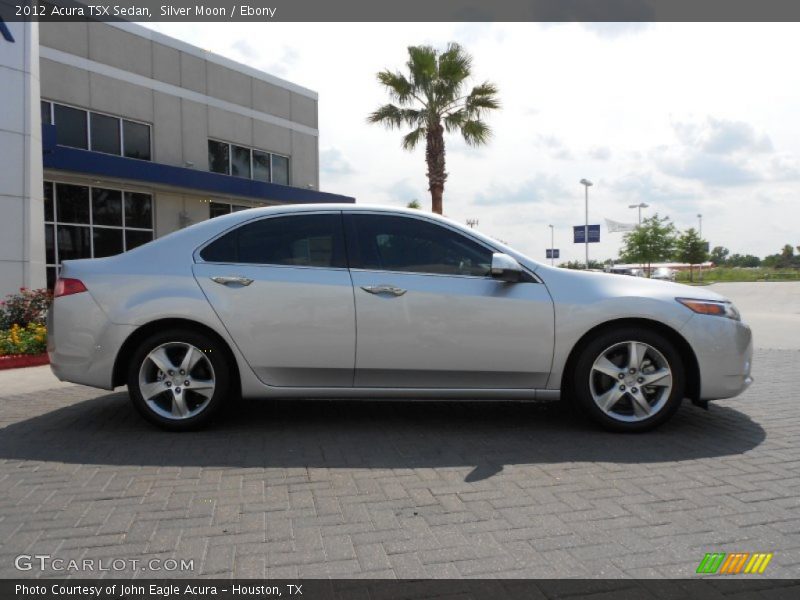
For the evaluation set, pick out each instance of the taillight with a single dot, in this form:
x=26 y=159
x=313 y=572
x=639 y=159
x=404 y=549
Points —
x=66 y=287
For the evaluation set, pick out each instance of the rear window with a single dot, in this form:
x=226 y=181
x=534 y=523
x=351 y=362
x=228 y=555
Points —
x=296 y=240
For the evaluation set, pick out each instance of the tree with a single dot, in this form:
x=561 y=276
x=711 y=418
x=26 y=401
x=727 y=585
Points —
x=431 y=99
x=414 y=204
x=690 y=248
x=785 y=259
x=578 y=265
x=652 y=241
x=747 y=260
x=719 y=255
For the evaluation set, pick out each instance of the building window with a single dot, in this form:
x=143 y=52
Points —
x=92 y=222
x=105 y=134
x=136 y=140
x=280 y=169
x=240 y=162
x=230 y=159
x=217 y=209
x=79 y=128
x=71 y=127
x=261 y=166
x=47 y=113
x=218 y=157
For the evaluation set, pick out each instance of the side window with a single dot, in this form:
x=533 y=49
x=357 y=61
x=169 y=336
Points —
x=391 y=243
x=297 y=240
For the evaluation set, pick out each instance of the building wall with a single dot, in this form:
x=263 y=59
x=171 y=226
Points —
x=21 y=205
x=187 y=95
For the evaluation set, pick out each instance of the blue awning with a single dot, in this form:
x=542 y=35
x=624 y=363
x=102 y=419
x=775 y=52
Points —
x=98 y=164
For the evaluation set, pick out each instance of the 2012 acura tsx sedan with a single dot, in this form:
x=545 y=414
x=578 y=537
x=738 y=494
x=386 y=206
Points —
x=352 y=301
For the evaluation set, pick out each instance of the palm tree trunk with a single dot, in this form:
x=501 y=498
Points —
x=434 y=157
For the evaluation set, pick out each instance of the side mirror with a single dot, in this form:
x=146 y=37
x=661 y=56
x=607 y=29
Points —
x=505 y=268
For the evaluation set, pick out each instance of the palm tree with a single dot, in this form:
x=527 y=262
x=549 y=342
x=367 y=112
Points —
x=431 y=100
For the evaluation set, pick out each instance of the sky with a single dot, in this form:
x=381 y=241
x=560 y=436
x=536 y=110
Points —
x=688 y=118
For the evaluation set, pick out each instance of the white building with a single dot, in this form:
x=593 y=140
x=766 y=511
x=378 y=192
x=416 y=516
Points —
x=113 y=134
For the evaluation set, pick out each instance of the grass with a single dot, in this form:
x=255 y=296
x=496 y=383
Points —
x=740 y=274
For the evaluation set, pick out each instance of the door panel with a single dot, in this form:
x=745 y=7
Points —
x=453 y=332
x=453 y=329
x=295 y=321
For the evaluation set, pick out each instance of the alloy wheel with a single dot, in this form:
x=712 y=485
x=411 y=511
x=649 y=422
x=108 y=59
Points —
x=176 y=380
x=630 y=381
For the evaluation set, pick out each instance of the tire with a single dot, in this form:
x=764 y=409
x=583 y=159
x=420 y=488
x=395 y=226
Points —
x=618 y=399
x=157 y=388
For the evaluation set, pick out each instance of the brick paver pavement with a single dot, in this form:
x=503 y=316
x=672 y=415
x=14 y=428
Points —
x=389 y=489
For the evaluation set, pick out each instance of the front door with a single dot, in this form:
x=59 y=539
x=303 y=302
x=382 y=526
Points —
x=281 y=287
x=429 y=315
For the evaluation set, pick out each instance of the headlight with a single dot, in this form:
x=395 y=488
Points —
x=711 y=307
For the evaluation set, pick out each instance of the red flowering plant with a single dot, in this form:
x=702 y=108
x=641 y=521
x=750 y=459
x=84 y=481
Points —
x=28 y=306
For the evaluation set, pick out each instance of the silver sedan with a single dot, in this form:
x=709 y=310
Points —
x=351 y=301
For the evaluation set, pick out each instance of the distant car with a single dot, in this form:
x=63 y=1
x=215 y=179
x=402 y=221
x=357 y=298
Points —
x=632 y=271
x=664 y=273
x=352 y=301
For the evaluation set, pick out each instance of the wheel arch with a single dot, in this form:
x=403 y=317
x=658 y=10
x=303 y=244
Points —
x=143 y=332
x=684 y=348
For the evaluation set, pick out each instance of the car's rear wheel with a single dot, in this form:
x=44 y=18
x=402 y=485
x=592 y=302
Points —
x=629 y=379
x=178 y=379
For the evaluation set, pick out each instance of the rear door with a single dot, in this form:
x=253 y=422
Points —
x=282 y=289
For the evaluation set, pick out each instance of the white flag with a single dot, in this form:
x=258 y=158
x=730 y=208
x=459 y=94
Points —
x=617 y=227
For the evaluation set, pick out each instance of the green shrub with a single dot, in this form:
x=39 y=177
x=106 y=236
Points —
x=28 y=306
x=31 y=339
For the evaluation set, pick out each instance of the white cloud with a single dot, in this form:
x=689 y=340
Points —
x=600 y=153
x=333 y=162
x=644 y=111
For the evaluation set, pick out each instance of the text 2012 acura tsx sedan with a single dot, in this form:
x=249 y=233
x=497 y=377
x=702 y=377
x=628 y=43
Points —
x=352 y=301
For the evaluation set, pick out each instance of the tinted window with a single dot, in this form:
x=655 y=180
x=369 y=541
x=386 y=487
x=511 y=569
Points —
x=216 y=209
x=106 y=207
x=105 y=134
x=73 y=242
x=138 y=210
x=391 y=243
x=260 y=166
x=107 y=242
x=48 y=201
x=240 y=162
x=134 y=239
x=72 y=203
x=137 y=140
x=218 y=157
x=280 y=169
x=46 y=117
x=70 y=127
x=49 y=244
x=301 y=240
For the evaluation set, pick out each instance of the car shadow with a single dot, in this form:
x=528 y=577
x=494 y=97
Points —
x=487 y=436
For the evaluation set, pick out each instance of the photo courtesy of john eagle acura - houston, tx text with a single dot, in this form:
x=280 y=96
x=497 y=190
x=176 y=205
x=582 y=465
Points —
x=346 y=301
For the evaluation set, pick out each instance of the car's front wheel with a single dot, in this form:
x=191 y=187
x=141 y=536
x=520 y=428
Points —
x=629 y=379
x=178 y=379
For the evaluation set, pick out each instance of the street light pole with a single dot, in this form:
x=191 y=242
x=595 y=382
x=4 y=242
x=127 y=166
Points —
x=640 y=206
x=552 y=245
x=700 y=235
x=586 y=183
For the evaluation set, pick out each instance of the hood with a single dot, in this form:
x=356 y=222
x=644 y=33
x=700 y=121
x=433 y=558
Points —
x=610 y=284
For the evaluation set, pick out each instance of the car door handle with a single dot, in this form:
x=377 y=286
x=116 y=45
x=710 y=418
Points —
x=383 y=289
x=223 y=280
